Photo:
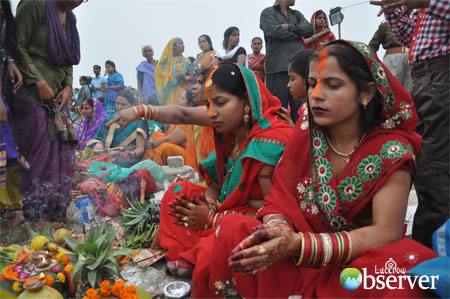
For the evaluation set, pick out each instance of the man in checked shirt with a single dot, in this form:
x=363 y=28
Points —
x=426 y=32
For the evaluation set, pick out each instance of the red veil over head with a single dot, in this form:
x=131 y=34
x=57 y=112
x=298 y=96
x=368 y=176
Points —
x=305 y=190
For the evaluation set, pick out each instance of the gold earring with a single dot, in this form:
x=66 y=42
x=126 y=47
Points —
x=247 y=115
x=365 y=104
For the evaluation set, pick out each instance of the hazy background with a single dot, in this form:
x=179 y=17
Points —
x=117 y=29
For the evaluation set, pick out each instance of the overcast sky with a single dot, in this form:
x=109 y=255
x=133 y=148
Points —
x=117 y=29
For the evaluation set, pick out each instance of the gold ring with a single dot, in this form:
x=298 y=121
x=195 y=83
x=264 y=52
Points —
x=262 y=250
x=191 y=205
x=185 y=219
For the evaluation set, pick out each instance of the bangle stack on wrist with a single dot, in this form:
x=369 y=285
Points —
x=143 y=112
x=276 y=219
x=213 y=217
x=324 y=249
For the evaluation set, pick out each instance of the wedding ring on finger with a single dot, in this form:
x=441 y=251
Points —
x=191 y=205
x=262 y=250
x=185 y=219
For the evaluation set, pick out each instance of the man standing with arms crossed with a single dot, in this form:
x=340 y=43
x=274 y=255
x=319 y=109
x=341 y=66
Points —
x=426 y=31
x=284 y=30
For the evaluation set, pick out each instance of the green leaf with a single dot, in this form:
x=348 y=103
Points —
x=112 y=267
x=73 y=244
x=72 y=257
x=124 y=251
x=98 y=261
x=134 y=221
x=78 y=266
x=100 y=240
x=92 y=276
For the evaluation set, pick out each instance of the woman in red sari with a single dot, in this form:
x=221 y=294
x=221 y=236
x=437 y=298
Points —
x=339 y=192
x=322 y=33
x=257 y=60
x=249 y=140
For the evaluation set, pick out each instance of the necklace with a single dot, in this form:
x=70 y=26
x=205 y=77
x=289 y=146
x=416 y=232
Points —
x=346 y=156
x=236 y=146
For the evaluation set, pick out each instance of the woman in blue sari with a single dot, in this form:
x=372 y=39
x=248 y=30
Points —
x=114 y=86
x=129 y=142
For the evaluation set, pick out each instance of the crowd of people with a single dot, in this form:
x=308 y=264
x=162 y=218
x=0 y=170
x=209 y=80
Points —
x=308 y=152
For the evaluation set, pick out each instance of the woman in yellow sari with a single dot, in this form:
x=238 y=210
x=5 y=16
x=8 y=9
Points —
x=173 y=73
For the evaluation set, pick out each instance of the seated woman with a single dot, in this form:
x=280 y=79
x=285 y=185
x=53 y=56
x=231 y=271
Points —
x=249 y=140
x=204 y=59
x=339 y=193
x=129 y=140
x=257 y=60
x=173 y=141
x=322 y=33
x=200 y=134
x=231 y=51
x=173 y=73
x=93 y=116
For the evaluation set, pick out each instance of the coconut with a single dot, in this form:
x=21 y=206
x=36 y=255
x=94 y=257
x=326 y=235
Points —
x=58 y=236
x=39 y=242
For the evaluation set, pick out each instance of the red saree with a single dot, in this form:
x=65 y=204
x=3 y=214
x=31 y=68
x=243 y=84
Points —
x=386 y=149
x=324 y=39
x=264 y=145
x=257 y=63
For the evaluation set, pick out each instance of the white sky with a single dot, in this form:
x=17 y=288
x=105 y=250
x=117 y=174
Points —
x=117 y=29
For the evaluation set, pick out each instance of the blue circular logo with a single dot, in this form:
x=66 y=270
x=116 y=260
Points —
x=351 y=278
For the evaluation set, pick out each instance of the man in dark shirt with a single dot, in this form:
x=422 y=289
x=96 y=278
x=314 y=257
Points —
x=284 y=30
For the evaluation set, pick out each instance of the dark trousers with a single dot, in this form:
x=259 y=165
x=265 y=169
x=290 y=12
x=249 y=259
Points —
x=432 y=100
x=277 y=85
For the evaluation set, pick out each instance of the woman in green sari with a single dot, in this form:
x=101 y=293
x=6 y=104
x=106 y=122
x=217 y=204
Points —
x=128 y=141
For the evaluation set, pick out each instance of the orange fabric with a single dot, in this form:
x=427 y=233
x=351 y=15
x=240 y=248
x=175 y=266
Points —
x=199 y=144
x=160 y=154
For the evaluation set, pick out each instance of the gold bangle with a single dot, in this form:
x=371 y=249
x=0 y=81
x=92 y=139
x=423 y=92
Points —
x=156 y=112
x=151 y=112
x=350 y=245
x=340 y=240
x=302 y=251
x=327 y=249
x=136 y=112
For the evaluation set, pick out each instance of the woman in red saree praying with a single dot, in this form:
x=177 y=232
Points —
x=339 y=193
x=249 y=140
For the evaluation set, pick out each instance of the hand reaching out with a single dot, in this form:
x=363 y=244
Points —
x=388 y=6
x=123 y=118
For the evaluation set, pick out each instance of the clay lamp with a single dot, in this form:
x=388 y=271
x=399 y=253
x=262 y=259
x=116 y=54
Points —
x=41 y=258
x=35 y=284
x=38 y=255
